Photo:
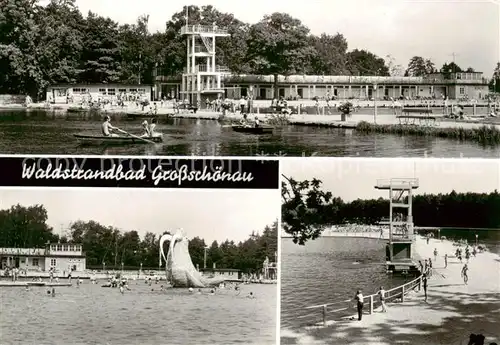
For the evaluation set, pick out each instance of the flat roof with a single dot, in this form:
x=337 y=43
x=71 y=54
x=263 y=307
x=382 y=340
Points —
x=102 y=84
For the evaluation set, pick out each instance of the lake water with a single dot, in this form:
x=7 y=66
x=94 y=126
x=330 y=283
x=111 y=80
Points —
x=38 y=132
x=326 y=270
x=94 y=315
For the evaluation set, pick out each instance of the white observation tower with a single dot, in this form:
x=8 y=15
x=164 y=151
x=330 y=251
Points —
x=202 y=78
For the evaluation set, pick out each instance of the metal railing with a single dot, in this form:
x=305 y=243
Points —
x=204 y=69
x=23 y=251
x=398 y=182
x=393 y=294
x=199 y=29
x=369 y=80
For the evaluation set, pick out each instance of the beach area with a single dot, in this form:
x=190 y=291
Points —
x=451 y=313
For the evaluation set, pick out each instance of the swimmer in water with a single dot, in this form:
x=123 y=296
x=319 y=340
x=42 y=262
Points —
x=53 y=292
x=190 y=289
x=212 y=292
x=199 y=292
x=121 y=290
x=251 y=295
x=161 y=288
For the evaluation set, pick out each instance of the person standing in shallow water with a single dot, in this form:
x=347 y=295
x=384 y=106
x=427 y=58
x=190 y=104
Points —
x=359 y=304
x=445 y=260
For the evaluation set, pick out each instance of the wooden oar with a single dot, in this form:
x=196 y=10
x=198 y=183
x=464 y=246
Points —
x=135 y=136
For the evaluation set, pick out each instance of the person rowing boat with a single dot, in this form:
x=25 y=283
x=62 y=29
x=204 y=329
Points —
x=107 y=128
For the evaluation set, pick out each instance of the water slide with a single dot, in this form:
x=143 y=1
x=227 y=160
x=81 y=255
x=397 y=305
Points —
x=179 y=267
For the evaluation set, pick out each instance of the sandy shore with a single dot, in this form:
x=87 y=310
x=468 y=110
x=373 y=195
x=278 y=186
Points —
x=452 y=312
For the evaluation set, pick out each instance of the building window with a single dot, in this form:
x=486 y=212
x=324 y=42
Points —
x=141 y=90
x=78 y=248
x=65 y=248
x=53 y=262
x=122 y=90
x=102 y=91
x=71 y=248
x=35 y=262
x=111 y=92
x=53 y=247
x=59 y=247
x=462 y=90
x=60 y=92
x=132 y=90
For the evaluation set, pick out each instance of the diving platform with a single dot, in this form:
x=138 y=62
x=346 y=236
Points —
x=202 y=79
x=209 y=30
x=399 y=250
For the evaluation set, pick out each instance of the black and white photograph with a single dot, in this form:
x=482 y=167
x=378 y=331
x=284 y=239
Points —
x=383 y=78
x=138 y=266
x=386 y=252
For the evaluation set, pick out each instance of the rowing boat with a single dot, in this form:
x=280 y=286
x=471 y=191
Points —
x=253 y=130
x=122 y=140
x=134 y=116
x=81 y=109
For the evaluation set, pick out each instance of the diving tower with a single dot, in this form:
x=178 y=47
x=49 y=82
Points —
x=401 y=232
x=202 y=78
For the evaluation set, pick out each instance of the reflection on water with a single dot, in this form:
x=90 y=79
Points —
x=52 y=133
x=94 y=315
x=328 y=270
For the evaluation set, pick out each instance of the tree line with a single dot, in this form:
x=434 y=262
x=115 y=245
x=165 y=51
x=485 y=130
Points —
x=56 y=43
x=26 y=227
x=307 y=210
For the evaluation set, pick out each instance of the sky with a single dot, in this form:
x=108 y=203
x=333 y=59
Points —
x=352 y=179
x=208 y=214
x=470 y=29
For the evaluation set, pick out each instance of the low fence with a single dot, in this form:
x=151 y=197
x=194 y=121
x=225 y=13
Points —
x=372 y=301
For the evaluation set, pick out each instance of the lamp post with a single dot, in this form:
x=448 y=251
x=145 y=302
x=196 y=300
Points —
x=205 y=258
x=375 y=92
x=476 y=240
x=103 y=266
x=122 y=269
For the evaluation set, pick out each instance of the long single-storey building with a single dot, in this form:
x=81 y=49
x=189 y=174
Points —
x=66 y=93
x=437 y=86
x=62 y=257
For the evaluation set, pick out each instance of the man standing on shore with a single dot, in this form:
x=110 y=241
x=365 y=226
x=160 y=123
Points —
x=445 y=260
x=359 y=304
x=381 y=293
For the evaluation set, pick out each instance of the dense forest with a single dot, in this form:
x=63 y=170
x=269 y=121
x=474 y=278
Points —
x=307 y=210
x=26 y=227
x=56 y=43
